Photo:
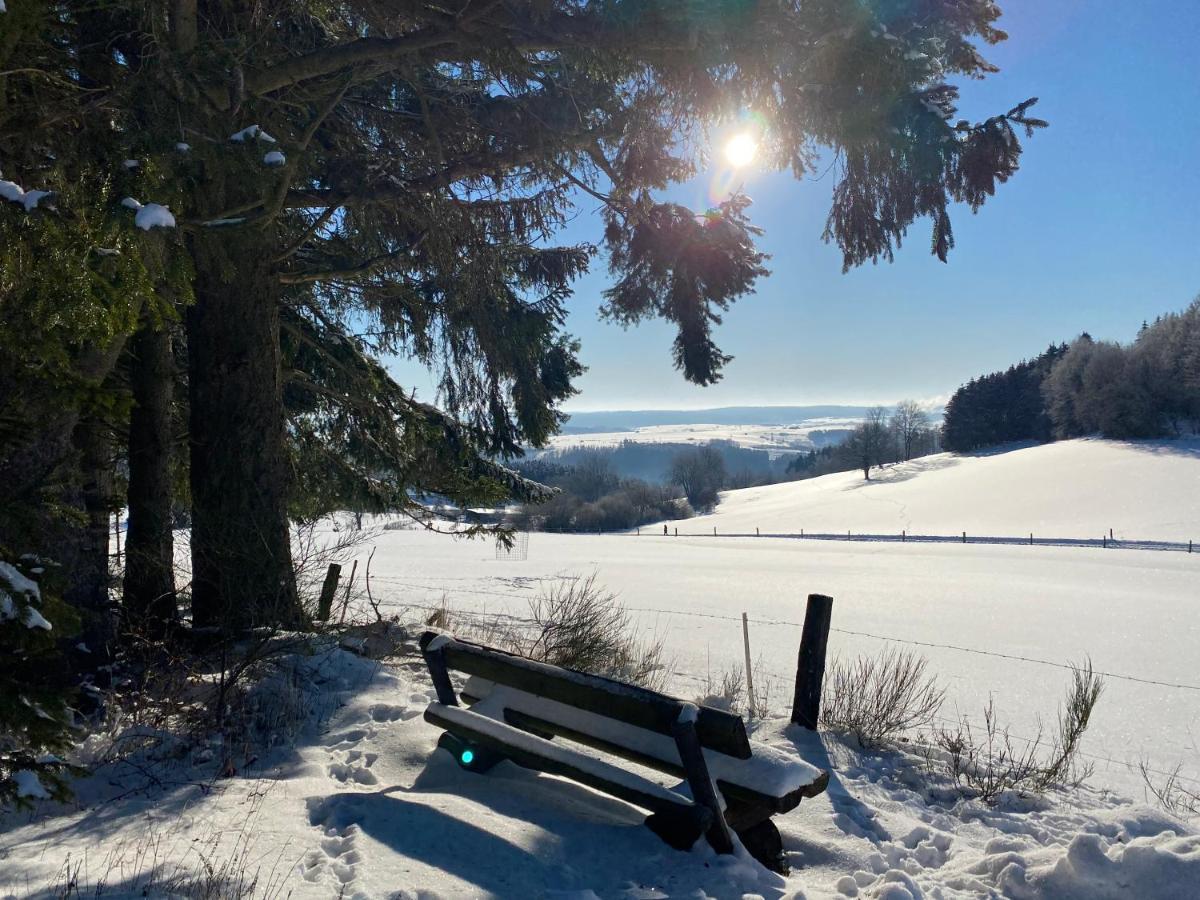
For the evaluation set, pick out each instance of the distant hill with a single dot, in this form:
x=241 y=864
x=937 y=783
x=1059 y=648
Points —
x=1148 y=490
x=629 y=420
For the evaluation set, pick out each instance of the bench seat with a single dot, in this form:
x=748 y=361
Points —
x=769 y=780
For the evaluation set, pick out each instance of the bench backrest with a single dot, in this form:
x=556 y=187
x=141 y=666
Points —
x=717 y=730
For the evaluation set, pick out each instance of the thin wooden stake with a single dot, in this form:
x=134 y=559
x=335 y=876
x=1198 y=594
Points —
x=749 y=671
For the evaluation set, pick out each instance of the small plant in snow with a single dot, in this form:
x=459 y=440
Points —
x=726 y=692
x=879 y=698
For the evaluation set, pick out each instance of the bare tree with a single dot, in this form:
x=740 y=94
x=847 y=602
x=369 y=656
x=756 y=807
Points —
x=867 y=444
x=700 y=473
x=908 y=422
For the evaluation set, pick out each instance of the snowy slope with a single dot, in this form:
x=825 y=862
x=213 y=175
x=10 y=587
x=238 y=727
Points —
x=1070 y=489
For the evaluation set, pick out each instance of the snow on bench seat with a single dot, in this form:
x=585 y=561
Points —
x=455 y=717
x=769 y=772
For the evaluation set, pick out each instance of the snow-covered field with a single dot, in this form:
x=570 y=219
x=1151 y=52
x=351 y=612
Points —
x=363 y=806
x=1147 y=490
x=772 y=438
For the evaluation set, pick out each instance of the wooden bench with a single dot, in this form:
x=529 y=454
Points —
x=515 y=707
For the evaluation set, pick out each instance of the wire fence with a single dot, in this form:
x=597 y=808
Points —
x=1106 y=542
x=492 y=622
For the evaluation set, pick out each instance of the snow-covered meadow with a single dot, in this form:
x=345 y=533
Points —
x=357 y=802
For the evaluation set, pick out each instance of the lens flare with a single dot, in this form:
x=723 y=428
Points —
x=741 y=149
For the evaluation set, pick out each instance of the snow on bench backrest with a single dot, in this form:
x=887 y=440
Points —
x=717 y=729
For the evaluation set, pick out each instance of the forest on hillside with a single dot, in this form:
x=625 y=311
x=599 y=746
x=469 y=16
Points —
x=1147 y=388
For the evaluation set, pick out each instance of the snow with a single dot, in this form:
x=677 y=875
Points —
x=18 y=581
x=183 y=147
x=1131 y=611
x=10 y=190
x=358 y=802
x=131 y=163
x=251 y=132
x=688 y=713
x=153 y=215
x=34 y=619
x=274 y=158
x=1143 y=490
x=29 y=785
x=130 y=203
x=362 y=804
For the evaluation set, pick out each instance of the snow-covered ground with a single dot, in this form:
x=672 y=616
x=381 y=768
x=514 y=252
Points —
x=772 y=438
x=1147 y=490
x=364 y=806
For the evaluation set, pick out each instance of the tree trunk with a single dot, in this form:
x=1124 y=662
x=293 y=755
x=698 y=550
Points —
x=85 y=552
x=149 y=589
x=242 y=573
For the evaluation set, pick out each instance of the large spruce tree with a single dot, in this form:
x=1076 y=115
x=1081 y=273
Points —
x=388 y=176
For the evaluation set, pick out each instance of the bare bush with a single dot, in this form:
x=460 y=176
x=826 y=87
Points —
x=878 y=698
x=1170 y=791
x=578 y=625
x=989 y=765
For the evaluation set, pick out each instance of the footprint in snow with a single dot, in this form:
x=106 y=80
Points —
x=355 y=768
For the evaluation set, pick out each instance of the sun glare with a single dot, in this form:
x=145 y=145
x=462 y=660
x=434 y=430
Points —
x=741 y=150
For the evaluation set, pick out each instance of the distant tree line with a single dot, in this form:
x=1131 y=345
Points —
x=653 y=462
x=1148 y=388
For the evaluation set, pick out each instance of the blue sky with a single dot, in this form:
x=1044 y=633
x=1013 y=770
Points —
x=1099 y=230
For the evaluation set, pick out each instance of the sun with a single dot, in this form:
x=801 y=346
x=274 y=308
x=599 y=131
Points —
x=741 y=149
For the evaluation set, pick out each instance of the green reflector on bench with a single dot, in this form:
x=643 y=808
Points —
x=466 y=757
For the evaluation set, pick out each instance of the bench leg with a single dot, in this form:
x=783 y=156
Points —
x=468 y=756
x=704 y=792
x=763 y=842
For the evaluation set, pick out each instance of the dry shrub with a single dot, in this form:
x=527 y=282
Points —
x=578 y=625
x=878 y=698
x=1171 y=790
x=989 y=765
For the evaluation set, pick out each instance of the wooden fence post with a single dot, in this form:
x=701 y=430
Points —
x=328 y=589
x=810 y=664
x=964 y=537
